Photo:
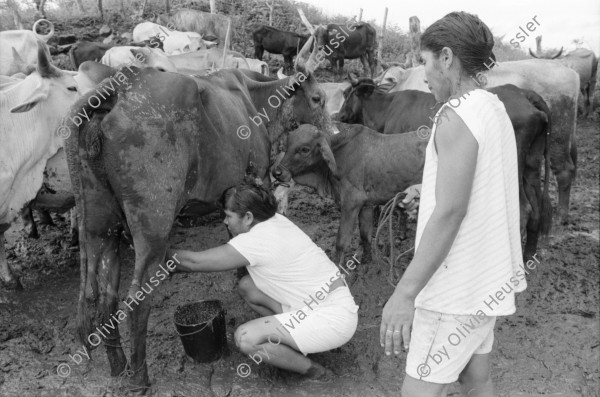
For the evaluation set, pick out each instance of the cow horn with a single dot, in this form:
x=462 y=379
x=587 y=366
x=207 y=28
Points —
x=559 y=53
x=302 y=57
x=43 y=37
x=280 y=74
x=532 y=54
x=44 y=64
x=352 y=79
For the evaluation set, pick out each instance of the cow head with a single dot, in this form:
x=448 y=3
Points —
x=153 y=58
x=195 y=44
x=321 y=36
x=53 y=88
x=359 y=90
x=308 y=150
x=309 y=98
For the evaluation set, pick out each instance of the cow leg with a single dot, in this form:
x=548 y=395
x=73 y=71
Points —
x=7 y=279
x=100 y=270
x=347 y=223
x=74 y=234
x=402 y=228
x=45 y=218
x=150 y=246
x=288 y=63
x=340 y=66
x=29 y=223
x=109 y=273
x=365 y=226
x=533 y=199
x=258 y=52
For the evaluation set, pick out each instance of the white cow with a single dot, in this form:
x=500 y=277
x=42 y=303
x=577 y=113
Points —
x=258 y=66
x=142 y=57
x=31 y=110
x=335 y=96
x=173 y=41
x=24 y=42
x=198 y=62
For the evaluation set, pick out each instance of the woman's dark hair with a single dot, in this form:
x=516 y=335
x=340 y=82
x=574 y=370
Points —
x=247 y=197
x=469 y=38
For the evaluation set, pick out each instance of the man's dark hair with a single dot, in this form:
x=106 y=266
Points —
x=469 y=38
x=247 y=197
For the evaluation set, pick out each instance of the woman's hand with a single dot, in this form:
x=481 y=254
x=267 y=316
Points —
x=396 y=323
x=410 y=203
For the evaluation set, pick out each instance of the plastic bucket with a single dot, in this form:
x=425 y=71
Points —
x=201 y=328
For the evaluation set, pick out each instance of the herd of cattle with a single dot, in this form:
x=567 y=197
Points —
x=162 y=141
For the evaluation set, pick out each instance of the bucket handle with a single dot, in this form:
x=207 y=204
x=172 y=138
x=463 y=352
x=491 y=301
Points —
x=193 y=332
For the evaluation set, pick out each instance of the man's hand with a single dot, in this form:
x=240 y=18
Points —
x=396 y=323
x=411 y=201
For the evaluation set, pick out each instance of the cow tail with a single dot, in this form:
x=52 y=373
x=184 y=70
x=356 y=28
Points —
x=546 y=211
x=546 y=206
x=75 y=136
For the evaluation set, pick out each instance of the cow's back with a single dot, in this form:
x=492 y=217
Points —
x=209 y=26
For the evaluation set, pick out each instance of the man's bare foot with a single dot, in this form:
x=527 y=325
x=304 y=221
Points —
x=318 y=373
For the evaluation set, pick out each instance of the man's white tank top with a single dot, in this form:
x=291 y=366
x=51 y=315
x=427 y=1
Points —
x=484 y=267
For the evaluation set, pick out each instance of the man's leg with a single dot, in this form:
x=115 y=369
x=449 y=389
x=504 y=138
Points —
x=475 y=379
x=266 y=339
x=419 y=388
x=258 y=300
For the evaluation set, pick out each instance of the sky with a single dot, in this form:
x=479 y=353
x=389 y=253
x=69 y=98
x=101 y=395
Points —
x=560 y=22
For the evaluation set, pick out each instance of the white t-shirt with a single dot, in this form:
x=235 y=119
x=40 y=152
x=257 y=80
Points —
x=285 y=263
x=484 y=267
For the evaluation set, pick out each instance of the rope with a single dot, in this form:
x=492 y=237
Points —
x=387 y=216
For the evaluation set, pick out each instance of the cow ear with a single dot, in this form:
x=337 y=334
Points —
x=328 y=156
x=36 y=97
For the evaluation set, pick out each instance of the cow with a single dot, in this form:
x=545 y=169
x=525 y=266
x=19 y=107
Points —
x=335 y=97
x=408 y=110
x=172 y=40
x=93 y=51
x=144 y=57
x=167 y=144
x=559 y=88
x=34 y=105
x=348 y=42
x=212 y=27
x=585 y=63
x=258 y=66
x=358 y=167
x=198 y=62
x=25 y=44
x=277 y=41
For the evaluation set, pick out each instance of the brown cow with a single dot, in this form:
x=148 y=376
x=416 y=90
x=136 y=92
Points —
x=359 y=167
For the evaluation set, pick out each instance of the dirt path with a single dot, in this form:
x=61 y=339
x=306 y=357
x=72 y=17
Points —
x=550 y=347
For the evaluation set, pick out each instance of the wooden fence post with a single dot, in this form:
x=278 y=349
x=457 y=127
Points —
x=381 y=36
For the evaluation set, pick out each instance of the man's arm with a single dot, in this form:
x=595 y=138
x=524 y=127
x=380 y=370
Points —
x=457 y=158
x=217 y=259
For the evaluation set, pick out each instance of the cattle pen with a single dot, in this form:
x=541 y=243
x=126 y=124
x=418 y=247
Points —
x=549 y=347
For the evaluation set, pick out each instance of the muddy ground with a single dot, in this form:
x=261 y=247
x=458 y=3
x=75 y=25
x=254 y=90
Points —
x=549 y=347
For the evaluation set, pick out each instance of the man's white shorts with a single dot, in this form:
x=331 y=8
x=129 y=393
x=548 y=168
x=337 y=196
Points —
x=327 y=325
x=441 y=345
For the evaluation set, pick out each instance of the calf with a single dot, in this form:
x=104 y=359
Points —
x=92 y=51
x=277 y=41
x=359 y=167
x=173 y=40
x=530 y=117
